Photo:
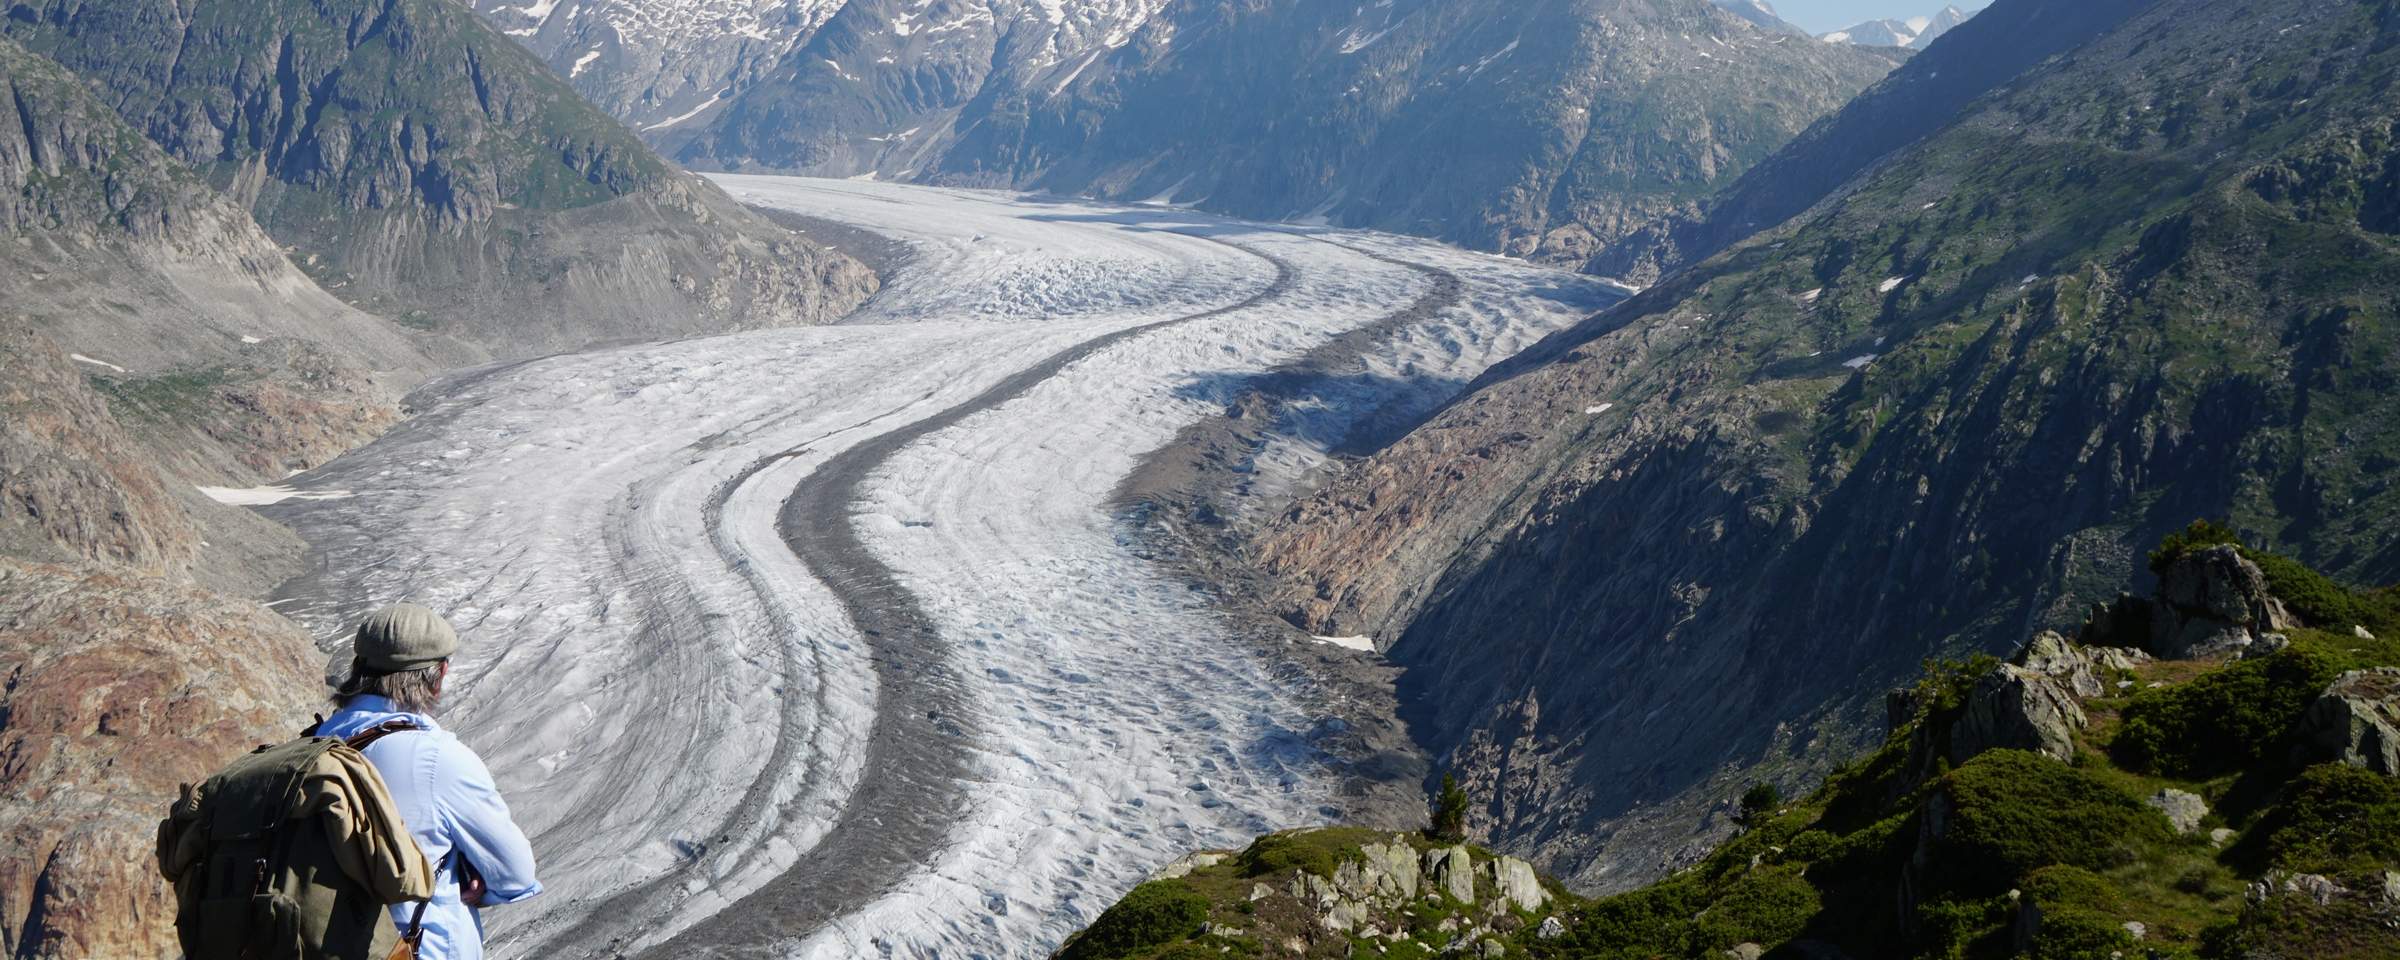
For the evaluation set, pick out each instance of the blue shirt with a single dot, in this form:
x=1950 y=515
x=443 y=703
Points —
x=447 y=797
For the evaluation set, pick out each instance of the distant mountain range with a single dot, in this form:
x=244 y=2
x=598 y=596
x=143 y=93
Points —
x=1545 y=128
x=1913 y=33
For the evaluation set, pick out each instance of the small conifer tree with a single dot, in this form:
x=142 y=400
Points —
x=1759 y=804
x=1450 y=811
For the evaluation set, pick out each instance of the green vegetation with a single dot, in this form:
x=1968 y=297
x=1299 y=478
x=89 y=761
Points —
x=1450 y=811
x=1313 y=851
x=1155 y=913
x=2010 y=812
x=1901 y=854
x=2316 y=598
x=2336 y=820
x=1758 y=803
x=167 y=398
x=2226 y=721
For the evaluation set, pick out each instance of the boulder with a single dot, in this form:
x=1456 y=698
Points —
x=1514 y=882
x=1745 y=951
x=2320 y=890
x=1452 y=871
x=1490 y=949
x=1551 y=929
x=2052 y=656
x=2018 y=708
x=2361 y=632
x=2212 y=602
x=1189 y=863
x=1385 y=869
x=2267 y=645
x=2355 y=721
x=2116 y=658
x=2184 y=810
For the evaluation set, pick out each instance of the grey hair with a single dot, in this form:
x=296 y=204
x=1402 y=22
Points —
x=412 y=691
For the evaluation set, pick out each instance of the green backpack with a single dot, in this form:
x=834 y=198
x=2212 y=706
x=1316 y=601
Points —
x=258 y=873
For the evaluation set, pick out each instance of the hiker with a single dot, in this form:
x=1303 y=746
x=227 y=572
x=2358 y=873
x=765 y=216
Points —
x=440 y=787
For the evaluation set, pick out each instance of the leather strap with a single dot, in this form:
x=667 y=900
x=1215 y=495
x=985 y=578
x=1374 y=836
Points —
x=415 y=933
x=359 y=740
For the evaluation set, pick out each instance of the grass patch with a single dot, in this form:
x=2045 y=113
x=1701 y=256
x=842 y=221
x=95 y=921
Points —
x=2011 y=811
x=2223 y=721
x=1155 y=913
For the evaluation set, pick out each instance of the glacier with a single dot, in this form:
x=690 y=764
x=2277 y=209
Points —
x=682 y=711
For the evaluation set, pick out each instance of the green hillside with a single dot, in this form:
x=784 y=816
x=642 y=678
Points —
x=2240 y=805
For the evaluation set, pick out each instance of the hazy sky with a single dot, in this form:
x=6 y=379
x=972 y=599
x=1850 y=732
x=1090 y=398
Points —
x=1819 y=16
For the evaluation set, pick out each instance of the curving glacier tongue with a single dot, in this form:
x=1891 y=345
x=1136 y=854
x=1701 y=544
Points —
x=665 y=662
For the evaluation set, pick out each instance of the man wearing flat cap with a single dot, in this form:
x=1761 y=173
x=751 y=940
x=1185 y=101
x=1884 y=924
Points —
x=441 y=787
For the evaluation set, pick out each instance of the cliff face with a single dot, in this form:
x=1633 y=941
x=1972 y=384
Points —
x=2151 y=280
x=430 y=170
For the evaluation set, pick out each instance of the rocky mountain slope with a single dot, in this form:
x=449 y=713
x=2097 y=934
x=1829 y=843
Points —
x=2082 y=800
x=1920 y=97
x=1543 y=128
x=2149 y=280
x=658 y=64
x=155 y=340
x=426 y=168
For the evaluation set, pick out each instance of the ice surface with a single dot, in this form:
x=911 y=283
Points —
x=674 y=705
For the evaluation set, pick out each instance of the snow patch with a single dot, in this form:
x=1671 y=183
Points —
x=80 y=358
x=1859 y=362
x=582 y=62
x=273 y=493
x=1355 y=43
x=1360 y=644
x=246 y=338
x=1599 y=408
x=1810 y=296
x=713 y=100
x=1891 y=283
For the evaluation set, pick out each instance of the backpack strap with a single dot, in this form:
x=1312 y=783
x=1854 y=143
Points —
x=360 y=740
x=414 y=936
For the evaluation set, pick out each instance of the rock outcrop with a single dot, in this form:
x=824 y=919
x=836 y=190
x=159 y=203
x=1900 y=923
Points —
x=1334 y=891
x=2210 y=602
x=2356 y=721
x=2183 y=809
x=2020 y=709
x=115 y=687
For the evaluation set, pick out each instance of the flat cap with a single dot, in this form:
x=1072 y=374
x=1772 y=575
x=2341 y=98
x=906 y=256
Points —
x=403 y=636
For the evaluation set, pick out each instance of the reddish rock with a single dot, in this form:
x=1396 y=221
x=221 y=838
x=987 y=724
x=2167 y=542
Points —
x=114 y=688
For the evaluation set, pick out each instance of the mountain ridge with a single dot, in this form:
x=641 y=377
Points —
x=2050 y=331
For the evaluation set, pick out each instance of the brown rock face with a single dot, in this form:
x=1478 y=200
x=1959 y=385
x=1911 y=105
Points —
x=71 y=483
x=119 y=687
